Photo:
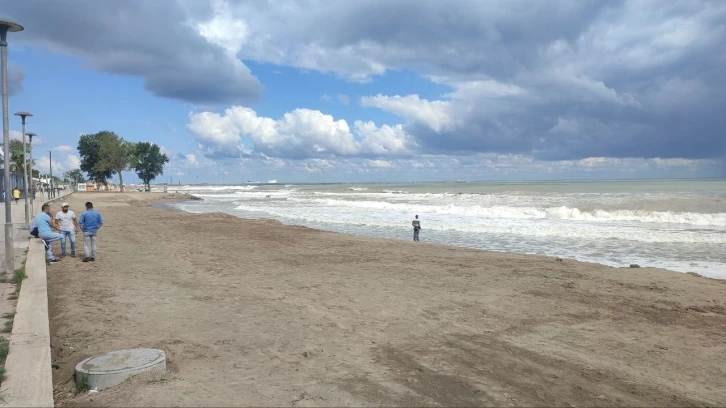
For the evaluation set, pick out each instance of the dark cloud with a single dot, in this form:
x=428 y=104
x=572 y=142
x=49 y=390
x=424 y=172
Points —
x=556 y=80
x=149 y=39
x=590 y=79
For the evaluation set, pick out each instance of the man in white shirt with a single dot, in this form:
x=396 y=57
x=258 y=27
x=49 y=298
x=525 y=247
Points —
x=67 y=225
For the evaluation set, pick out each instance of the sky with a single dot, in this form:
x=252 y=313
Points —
x=379 y=90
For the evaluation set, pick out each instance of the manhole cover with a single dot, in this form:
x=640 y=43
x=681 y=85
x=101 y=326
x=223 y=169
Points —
x=106 y=370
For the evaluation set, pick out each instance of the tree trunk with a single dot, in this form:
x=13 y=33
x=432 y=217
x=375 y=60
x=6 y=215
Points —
x=121 y=180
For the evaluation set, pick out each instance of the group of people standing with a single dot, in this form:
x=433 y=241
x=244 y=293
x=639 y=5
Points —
x=66 y=224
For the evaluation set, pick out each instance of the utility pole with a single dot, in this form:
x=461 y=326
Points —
x=50 y=154
x=32 y=196
x=24 y=115
x=5 y=27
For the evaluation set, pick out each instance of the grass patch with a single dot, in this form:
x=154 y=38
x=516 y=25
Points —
x=83 y=385
x=4 y=349
x=18 y=277
x=8 y=327
x=9 y=315
x=17 y=280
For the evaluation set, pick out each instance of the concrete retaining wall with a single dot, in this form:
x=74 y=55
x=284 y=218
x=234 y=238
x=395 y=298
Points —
x=28 y=366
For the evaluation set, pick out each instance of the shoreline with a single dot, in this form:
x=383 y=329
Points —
x=170 y=206
x=253 y=312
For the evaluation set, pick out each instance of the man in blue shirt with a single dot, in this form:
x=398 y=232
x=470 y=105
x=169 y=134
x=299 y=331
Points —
x=46 y=233
x=90 y=221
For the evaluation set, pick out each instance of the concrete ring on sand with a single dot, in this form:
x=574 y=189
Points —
x=110 y=369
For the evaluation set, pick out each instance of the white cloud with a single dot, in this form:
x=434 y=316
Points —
x=300 y=133
x=188 y=166
x=15 y=135
x=224 y=30
x=64 y=159
x=18 y=135
x=380 y=164
x=384 y=140
x=434 y=114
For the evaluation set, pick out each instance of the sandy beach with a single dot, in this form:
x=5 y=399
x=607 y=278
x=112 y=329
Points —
x=254 y=313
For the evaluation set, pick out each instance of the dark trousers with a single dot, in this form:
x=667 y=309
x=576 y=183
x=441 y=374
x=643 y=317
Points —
x=415 y=234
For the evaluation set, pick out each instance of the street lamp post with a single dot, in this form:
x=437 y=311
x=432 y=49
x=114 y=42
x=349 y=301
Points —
x=50 y=183
x=30 y=142
x=7 y=26
x=23 y=115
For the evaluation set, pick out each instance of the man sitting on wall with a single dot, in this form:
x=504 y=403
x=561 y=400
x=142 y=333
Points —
x=45 y=232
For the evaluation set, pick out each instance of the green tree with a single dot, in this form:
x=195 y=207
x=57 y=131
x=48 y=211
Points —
x=149 y=162
x=16 y=156
x=89 y=148
x=115 y=155
x=76 y=175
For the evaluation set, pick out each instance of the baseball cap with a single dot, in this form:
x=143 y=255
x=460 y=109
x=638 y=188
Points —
x=65 y=205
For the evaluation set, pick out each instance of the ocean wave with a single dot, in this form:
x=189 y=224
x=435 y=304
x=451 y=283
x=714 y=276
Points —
x=542 y=229
x=661 y=217
x=507 y=212
x=213 y=189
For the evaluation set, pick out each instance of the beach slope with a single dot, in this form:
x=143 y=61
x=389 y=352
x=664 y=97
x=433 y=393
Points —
x=257 y=313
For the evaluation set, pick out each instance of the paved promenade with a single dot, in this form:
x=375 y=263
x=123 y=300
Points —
x=20 y=232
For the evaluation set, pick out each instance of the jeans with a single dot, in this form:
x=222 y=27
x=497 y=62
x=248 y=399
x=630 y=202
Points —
x=49 y=239
x=69 y=235
x=89 y=240
x=415 y=234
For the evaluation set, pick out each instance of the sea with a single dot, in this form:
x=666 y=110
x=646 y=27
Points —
x=673 y=224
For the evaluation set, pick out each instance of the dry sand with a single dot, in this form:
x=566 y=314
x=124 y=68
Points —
x=256 y=313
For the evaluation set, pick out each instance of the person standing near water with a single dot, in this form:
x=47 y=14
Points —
x=416 y=228
x=90 y=222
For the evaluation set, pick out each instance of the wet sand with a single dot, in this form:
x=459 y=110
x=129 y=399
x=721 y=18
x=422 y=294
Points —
x=257 y=313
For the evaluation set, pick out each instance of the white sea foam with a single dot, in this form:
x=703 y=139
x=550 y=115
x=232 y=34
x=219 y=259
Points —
x=562 y=212
x=522 y=227
x=682 y=230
